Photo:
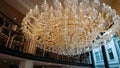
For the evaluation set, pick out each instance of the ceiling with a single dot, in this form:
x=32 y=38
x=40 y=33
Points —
x=23 y=6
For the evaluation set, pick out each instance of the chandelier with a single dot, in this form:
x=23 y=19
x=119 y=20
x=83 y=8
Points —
x=71 y=27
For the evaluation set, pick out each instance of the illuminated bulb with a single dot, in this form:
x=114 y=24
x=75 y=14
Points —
x=30 y=10
x=36 y=7
x=103 y=4
x=109 y=7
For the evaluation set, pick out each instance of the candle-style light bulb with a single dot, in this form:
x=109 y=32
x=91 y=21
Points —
x=36 y=7
x=30 y=10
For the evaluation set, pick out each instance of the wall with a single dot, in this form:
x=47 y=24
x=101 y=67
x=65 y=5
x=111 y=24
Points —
x=116 y=39
x=11 y=12
x=4 y=65
x=100 y=63
x=111 y=45
x=116 y=5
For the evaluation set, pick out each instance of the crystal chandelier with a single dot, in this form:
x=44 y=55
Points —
x=71 y=27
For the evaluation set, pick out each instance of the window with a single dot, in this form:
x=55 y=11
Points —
x=99 y=56
x=110 y=53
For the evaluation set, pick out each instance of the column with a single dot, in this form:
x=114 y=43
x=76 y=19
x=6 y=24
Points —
x=92 y=59
x=105 y=57
x=26 y=64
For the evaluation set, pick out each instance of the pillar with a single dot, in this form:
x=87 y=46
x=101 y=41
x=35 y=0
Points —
x=92 y=59
x=26 y=64
x=105 y=57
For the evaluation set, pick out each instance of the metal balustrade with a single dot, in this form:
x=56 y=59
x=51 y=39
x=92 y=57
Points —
x=14 y=40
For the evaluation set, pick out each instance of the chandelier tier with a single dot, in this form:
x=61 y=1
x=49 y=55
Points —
x=71 y=27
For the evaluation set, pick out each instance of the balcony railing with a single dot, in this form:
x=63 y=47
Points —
x=12 y=42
